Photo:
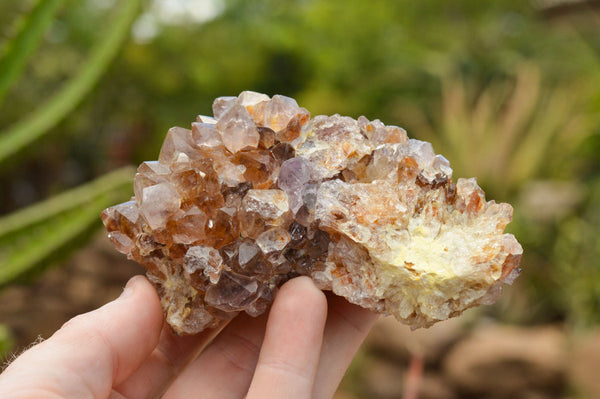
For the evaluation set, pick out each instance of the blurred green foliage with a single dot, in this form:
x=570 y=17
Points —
x=31 y=237
x=6 y=341
x=576 y=253
x=42 y=119
x=508 y=90
x=512 y=130
x=19 y=49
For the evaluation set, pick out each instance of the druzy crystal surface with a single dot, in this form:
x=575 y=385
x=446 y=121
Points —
x=260 y=193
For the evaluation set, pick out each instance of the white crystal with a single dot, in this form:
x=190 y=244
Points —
x=159 y=202
x=222 y=104
x=206 y=134
x=178 y=140
x=246 y=252
x=273 y=240
x=250 y=98
x=238 y=129
x=206 y=119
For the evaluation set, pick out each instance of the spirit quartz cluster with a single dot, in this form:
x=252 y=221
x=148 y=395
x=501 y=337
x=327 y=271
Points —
x=260 y=193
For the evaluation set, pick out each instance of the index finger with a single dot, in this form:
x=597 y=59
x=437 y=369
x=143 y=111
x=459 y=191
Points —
x=346 y=328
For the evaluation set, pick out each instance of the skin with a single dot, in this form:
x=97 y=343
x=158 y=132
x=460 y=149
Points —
x=125 y=350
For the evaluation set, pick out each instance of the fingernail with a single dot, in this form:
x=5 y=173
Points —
x=128 y=290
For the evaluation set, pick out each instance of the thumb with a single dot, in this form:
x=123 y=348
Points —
x=91 y=352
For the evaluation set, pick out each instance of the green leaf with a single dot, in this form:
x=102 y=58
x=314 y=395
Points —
x=56 y=108
x=32 y=236
x=21 y=47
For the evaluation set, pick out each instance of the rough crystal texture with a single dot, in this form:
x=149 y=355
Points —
x=260 y=193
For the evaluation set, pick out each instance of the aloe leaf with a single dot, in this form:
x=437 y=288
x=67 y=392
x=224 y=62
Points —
x=528 y=158
x=57 y=107
x=65 y=201
x=21 y=47
x=32 y=236
x=520 y=107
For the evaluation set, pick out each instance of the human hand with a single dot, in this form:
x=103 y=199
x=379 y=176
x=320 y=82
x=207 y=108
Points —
x=125 y=350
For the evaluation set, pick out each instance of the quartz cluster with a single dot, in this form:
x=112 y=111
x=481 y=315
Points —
x=260 y=192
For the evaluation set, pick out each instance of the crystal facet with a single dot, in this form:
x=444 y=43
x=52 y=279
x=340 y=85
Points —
x=260 y=193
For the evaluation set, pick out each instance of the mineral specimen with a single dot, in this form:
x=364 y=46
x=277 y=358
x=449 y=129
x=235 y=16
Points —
x=260 y=193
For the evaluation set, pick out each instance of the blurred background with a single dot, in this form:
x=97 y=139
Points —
x=507 y=90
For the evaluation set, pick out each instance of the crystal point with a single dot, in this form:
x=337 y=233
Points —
x=237 y=129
